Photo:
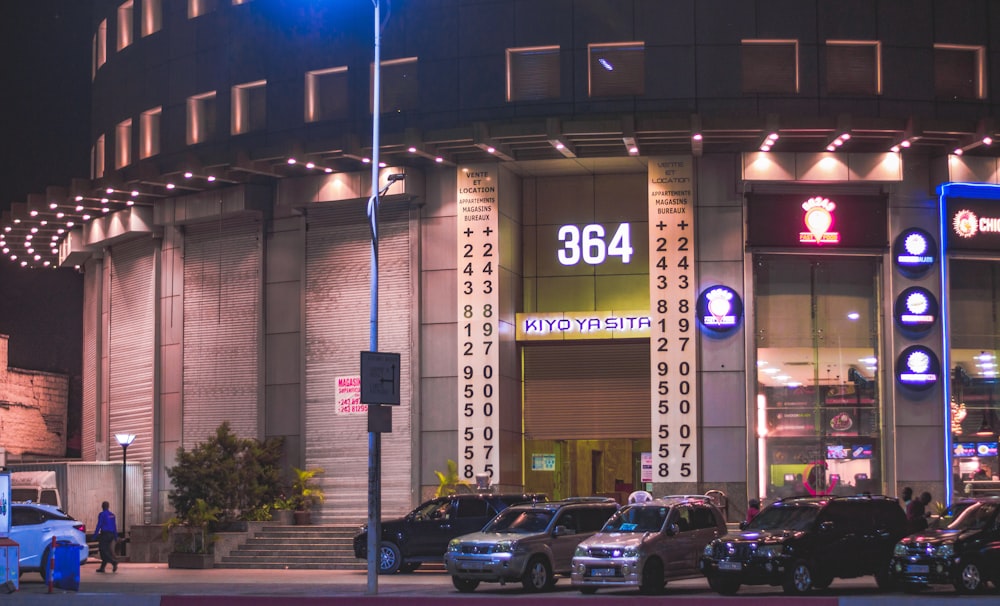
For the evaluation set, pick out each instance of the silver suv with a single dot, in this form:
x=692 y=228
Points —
x=526 y=543
x=645 y=544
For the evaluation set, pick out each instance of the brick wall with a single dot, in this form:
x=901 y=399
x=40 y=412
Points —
x=32 y=410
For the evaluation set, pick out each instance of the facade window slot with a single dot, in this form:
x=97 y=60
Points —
x=770 y=66
x=616 y=69
x=326 y=94
x=533 y=73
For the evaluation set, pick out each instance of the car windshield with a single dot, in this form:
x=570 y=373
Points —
x=784 y=518
x=975 y=517
x=523 y=521
x=432 y=510
x=637 y=519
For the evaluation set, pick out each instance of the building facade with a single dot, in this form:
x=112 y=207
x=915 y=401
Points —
x=682 y=245
x=32 y=411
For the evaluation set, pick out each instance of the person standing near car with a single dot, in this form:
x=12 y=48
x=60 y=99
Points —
x=906 y=497
x=106 y=532
x=916 y=513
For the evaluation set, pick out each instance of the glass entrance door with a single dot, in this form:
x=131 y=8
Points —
x=818 y=404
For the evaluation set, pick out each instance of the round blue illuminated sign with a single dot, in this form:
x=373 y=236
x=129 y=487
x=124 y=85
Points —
x=719 y=309
x=914 y=251
x=917 y=367
x=916 y=309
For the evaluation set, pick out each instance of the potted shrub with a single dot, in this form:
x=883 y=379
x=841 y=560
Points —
x=191 y=541
x=282 y=510
x=306 y=493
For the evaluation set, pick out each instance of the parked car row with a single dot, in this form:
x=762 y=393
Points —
x=799 y=543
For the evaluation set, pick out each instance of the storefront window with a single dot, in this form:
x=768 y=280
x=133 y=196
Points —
x=818 y=403
x=975 y=333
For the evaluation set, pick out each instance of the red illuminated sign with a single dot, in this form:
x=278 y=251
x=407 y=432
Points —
x=818 y=220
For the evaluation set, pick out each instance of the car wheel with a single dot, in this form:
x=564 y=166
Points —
x=45 y=565
x=885 y=580
x=969 y=579
x=912 y=587
x=389 y=558
x=799 y=580
x=652 y=578
x=538 y=575
x=724 y=586
x=409 y=567
x=588 y=590
x=464 y=585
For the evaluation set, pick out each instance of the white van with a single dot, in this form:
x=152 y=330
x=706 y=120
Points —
x=35 y=486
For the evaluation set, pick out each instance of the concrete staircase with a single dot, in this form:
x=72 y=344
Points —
x=327 y=547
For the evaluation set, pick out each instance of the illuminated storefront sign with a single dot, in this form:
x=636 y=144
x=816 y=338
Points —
x=914 y=251
x=719 y=309
x=971 y=224
x=568 y=325
x=816 y=222
x=917 y=367
x=587 y=244
x=916 y=309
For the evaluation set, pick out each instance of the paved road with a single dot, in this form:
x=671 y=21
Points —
x=157 y=585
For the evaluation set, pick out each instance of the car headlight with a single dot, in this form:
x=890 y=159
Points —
x=630 y=552
x=505 y=547
x=945 y=551
x=899 y=549
x=708 y=550
x=770 y=551
x=581 y=552
x=454 y=545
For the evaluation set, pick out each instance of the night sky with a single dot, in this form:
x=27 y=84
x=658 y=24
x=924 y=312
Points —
x=45 y=109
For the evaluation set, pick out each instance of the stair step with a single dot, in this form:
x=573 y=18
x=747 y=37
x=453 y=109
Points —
x=289 y=566
x=321 y=546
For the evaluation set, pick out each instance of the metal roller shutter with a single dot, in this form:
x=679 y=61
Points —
x=91 y=330
x=338 y=270
x=586 y=391
x=222 y=294
x=131 y=341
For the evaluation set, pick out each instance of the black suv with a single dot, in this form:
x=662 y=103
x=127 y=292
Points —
x=423 y=534
x=803 y=543
x=965 y=553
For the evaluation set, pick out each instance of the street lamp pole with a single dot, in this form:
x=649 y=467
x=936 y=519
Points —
x=374 y=437
x=124 y=440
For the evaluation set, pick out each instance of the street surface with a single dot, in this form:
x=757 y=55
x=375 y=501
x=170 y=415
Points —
x=157 y=585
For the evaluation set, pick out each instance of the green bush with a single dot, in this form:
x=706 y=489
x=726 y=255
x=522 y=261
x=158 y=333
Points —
x=236 y=475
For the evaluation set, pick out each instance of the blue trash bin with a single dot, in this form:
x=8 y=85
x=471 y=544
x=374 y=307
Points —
x=66 y=573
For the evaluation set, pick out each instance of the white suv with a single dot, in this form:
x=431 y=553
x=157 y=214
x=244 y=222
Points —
x=645 y=544
x=33 y=526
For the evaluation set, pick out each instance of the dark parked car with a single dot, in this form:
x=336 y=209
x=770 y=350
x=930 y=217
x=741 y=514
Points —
x=530 y=544
x=965 y=553
x=423 y=534
x=646 y=544
x=805 y=542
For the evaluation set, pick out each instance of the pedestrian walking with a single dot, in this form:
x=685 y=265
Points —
x=106 y=532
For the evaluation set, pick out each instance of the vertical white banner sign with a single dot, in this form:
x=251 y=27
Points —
x=478 y=314
x=672 y=298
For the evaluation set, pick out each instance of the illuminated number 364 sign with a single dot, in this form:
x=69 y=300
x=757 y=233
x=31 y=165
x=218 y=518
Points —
x=588 y=244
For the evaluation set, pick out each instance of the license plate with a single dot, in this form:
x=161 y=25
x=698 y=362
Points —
x=473 y=565
x=602 y=572
x=918 y=568
x=724 y=565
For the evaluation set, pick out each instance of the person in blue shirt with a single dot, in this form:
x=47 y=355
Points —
x=106 y=532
